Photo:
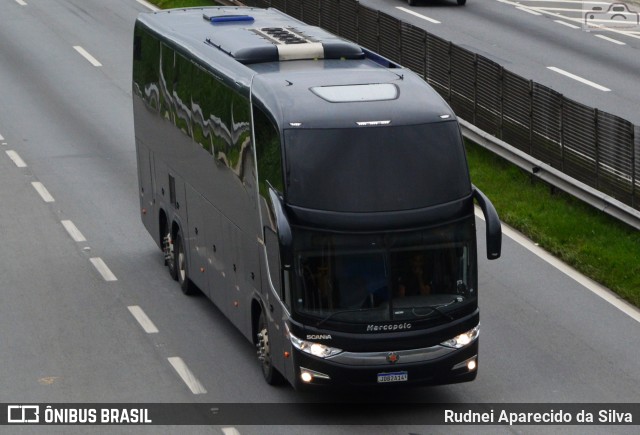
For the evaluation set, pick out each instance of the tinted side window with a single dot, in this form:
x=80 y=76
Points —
x=167 y=65
x=181 y=93
x=268 y=153
x=210 y=100
x=146 y=67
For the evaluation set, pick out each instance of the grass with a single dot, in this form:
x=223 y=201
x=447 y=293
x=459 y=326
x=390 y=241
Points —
x=594 y=243
x=597 y=245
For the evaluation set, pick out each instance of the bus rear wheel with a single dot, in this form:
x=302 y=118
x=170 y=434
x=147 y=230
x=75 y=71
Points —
x=271 y=375
x=168 y=249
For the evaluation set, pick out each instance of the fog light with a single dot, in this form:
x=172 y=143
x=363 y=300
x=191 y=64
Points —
x=470 y=364
x=309 y=375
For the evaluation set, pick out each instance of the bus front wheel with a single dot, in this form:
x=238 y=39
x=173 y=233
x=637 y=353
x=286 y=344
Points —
x=271 y=375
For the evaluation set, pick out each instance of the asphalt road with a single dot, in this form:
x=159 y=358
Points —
x=77 y=264
x=542 y=40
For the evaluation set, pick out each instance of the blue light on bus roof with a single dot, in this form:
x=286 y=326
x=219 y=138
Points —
x=230 y=19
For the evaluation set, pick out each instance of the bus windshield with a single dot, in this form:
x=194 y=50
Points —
x=408 y=276
x=372 y=169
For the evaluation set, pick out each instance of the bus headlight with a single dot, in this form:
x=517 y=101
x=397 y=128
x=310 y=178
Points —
x=462 y=339
x=315 y=349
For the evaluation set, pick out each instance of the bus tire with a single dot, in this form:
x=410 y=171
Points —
x=271 y=375
x=181 y=266
x=168 y=250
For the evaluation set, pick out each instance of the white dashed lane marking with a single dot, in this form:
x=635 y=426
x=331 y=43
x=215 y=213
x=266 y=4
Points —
x=103 y=269
x=415 y=14
x=87 y=56
x=73 y=231
x=16 y=159
x=144 y=320
x=42 y=191
x=606 y=38
x=579 y=79
x=187 y=377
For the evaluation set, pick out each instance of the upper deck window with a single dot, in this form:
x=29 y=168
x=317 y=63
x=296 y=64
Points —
x=375 y=169
x=355 y=93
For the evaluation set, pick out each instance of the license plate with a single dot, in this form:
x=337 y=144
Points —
x=393 y=377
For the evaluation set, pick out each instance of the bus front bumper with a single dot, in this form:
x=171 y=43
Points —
x=432 y=366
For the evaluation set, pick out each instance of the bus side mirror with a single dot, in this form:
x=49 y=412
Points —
x=492 y=223
x=284 y=230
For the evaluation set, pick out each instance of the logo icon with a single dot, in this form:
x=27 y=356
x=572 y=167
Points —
x=392 y=357
x=617 y=16
x=23 y=414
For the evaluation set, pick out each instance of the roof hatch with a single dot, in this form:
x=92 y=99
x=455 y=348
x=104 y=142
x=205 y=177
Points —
x=236 y=36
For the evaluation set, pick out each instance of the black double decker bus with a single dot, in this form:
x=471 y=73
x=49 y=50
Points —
x=315 y=191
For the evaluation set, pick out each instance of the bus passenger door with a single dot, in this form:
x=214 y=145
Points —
x=275 y=300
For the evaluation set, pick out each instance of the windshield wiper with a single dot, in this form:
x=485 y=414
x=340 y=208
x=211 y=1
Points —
x=335 y=313
x=434 y=309
x=437 y=309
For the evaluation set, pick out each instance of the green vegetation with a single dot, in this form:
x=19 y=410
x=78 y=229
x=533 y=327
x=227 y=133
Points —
x=587 y=239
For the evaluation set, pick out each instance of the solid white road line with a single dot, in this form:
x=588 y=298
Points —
x=187 y=377
x=230 y=431
x=143 y=319
x=87 y=56
x=415 y=14
x=527 y=10
x=16 y=159
x=591 y=285
x=73 y=231
x=1 y=137
x=21 y=2
x=606 y=38
x=578 y=78
x=103 y=269
x=42 y=191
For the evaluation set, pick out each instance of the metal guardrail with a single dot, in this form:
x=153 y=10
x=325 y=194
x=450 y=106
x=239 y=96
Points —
x=552 y=176
x=588 y=153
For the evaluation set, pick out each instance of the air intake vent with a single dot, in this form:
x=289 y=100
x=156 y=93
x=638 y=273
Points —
x=281 y=35
x=291 y=44
x=250 y=45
